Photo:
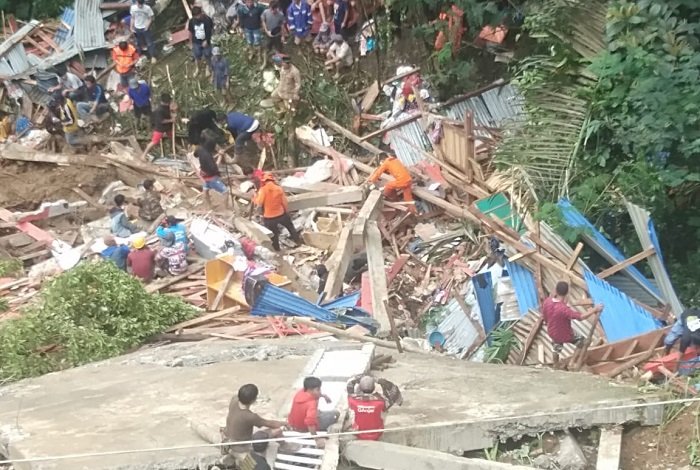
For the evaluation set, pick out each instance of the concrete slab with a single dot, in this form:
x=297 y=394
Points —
x=143 y=400
x=469 y=405
x=385 y=456
x=609 y=449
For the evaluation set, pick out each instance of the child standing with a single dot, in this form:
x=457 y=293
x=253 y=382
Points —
x=219 y=71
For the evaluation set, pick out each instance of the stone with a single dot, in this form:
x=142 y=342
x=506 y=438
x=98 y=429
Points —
x=570 y=455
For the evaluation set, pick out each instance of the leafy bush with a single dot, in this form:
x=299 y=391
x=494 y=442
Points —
x=92 y=312
x=10 y=267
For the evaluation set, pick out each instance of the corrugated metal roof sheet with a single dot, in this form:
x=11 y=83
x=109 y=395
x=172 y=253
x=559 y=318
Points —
x=621 y=318
x=525 y=288
x=631 y=288
x=273 y=300
x=89 y=28
x=408 y=153
x=13 y=56
x=36 y=94
x=573 y=218
x=483 y=288
x=458 y=331
x=493 y=108
x=66 y=30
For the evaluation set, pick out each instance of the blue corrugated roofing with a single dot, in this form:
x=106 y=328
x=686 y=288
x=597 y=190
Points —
x=347 y=301
x=67 y=24
x=483 y=288
x=274 y=300
x=573 y=218
x=525 y=288
x=621 y=318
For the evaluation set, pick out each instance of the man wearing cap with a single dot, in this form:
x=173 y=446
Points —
x=339 y=55
x=300 y=20
x=290 y=80
x=201 y=28
x=273 y=202
x=172 y=257
x=219 y=70
x=140 y=94
x=141 y=20
x=141 y=260
x=125 y=57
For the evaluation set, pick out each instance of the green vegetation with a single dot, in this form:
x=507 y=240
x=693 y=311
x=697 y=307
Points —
x=27 y=9
x=92 y=312
x=10 y=267
x=502 y=339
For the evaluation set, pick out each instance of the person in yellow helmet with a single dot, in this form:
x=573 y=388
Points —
x=141 y=261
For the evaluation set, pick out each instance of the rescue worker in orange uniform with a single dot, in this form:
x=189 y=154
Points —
x=273 y=201
x=125 y=57
x=402 y=179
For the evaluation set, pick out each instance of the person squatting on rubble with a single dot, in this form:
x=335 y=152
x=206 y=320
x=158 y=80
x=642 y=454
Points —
x=124 y=56
x=141 y=261
x=273 y=202
x=140 y=94
x=339 y=55
x=201 y=28
x=241 y=126
x=402 y=179
x=141 y=21
x=557 y=315
x=119 y=222
x=240 y=423
x=68 y=117
x=114 y=252
x=149 y=205
x=686 y=329
x=290 y=80
x=323 y=39
x=95 y=105
x=209 y=171
x=69 y=84
x=163 y=122
x=369 y=400
x=172 y=224
x=305 y=415
x=171 y=259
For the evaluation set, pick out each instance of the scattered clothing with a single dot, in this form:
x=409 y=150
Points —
x=299 y=18
x=175 y=258
x=116 y=254
x=558 y=316
x=142 y=263
x=120 y=225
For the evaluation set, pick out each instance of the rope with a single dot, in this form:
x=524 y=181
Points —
x=340 y=434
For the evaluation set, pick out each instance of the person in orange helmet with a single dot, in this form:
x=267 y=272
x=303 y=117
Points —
x=402 y=179
x=273 y=201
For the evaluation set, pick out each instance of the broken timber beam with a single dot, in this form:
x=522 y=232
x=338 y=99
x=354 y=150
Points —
x=20 y=153
x=345 y=195
x=253 y=231
x=392 y=126
x=574 y=256
x=370 y=211
x=377 y=276
x=626 y=263
x=338 y=263
x=349 y=135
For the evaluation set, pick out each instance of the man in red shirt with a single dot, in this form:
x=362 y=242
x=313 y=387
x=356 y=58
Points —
x=141 y=260
x=304 y=415
x=368 y=409
x=558 y=316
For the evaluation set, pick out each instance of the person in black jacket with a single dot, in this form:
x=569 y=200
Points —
x=691 y=329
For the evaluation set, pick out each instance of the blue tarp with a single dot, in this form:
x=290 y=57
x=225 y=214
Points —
x=483 y=288
x=621 y=318
x=525 y=287
x=574 y=219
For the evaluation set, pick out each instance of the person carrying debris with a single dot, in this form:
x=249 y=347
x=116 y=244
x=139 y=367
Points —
x=140 y=94
x=369 y=400
x=209 y=171
x=305 y=415
x=273 y=201
x=241 y=126
x=68 y=117
x=201 y=28
x=172 y=257
x=290 y=80
x=339 y=55
x=219 y=71
x=299 y=19
x=558 y=315
x=115 y=253
x=171 y=224
x=141 y=262
x=163 y=120
x=141 y=20
x=96 y=104
x=125 y=57
x=241 y=421
x=120 y=225
x=402 y=179
x=149 y=205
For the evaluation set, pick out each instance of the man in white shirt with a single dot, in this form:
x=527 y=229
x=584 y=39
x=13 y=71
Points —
x=141 y=19
x=339 y=55
x=69 y=84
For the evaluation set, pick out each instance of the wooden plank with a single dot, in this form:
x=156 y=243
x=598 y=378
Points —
x=202 y=319
x=637 y=359
x=609 y=448
x=626 y=263
x=574 y=256
x=345 y=195
x=162 y=284
x=223 y=288
x=396 y=268
x=392 y=126
x=579 y=356
x=338 y=263
x=253 y=231
x=297 y=459
x=20 y=153
x=90 y=200
x=377 y=276
x=348 y=135
x=370 y=210
x=530 y=339
x=370 y=97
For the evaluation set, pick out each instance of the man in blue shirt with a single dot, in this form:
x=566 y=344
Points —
x=140 y=94
x=171 y=224
x=300 y=20
x=115 y=253
x=241 y=126
x=96 y=104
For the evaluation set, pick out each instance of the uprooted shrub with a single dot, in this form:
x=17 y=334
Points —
x=93 y=312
